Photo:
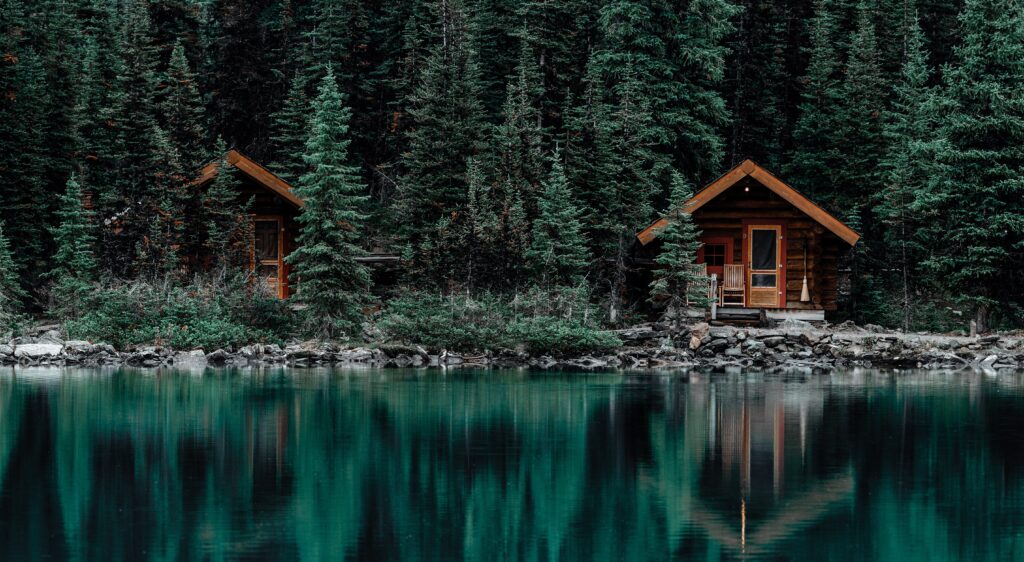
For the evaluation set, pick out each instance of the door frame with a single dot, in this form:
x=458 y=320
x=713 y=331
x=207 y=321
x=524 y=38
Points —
x=282 y=274
x=781 y=270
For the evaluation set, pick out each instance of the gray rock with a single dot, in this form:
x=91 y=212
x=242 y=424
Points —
x=79 y=347
x=218 y=357
x=6 y=350
x=773 y=341
x=38 y=350
x=733 y=352
x=792 y=324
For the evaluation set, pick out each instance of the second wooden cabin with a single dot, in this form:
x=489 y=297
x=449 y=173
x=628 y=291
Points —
x=760 y=238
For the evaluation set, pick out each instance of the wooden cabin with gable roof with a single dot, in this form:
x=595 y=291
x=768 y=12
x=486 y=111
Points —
x=759 y=239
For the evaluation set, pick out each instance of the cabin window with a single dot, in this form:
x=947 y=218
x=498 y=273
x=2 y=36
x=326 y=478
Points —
x=762 y=249
x=714 y=254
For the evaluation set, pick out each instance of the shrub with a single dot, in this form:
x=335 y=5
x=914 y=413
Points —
x=208 y=313
x=558 y=322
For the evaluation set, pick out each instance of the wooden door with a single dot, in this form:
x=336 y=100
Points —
x=268 y=254
x=764 y=256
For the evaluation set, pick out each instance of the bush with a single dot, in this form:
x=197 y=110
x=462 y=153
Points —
x=208 y=313
x=558 y=322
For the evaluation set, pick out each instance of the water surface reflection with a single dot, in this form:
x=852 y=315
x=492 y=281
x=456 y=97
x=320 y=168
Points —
x=405 y=465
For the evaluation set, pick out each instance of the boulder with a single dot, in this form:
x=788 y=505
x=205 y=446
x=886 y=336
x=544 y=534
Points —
x=79 y=348
x=37 y=350
x=218 y=357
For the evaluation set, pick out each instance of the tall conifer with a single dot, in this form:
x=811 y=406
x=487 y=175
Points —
x=330 y=280
x=74 y=265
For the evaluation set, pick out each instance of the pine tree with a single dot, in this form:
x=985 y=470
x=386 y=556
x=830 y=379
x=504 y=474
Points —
x=12 y=296
x=558 y=253
x=910 y=131
x=226 y=224
x=698 y=111
x=978 y=192
x=859 y=112
x=184 y=112
x=673 y=278
x=448 y=128
x=291 y=129
x=816 y=150
x=330 y=280
x=74 y=269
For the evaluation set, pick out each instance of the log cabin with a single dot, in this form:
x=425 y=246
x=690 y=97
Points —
x=764 y=237
x=274 y=211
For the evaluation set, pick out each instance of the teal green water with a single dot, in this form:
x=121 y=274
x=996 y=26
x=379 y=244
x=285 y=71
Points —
x=403 y=465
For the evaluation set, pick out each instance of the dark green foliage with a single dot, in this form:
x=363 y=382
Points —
x=448 y=129
x=910 y=131
x=544 y=322
x=11 y=293
x=330 y=280
x=225 y=220
x=453 y=103
x=74 y=269
x=210 y=314
x=813 y=165
x=558 y=254
x=680 y=239
x=978 y=191
x=184 y=113
x=291 y=129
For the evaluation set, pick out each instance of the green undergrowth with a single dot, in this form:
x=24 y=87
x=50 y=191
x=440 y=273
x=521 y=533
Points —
x=206 y=314
x=559 y=321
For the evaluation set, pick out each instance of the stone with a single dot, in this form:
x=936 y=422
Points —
x=6 y=350
x=218 y=357
x=792 y=324
x=773 y=341
x=79 y=347
x=720 y=333
x=37 y=350
x=733 y=352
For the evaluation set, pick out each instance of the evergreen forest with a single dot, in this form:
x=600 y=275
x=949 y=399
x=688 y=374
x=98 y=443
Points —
x=508 y=150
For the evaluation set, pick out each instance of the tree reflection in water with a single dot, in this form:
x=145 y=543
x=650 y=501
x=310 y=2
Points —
x=404 y=465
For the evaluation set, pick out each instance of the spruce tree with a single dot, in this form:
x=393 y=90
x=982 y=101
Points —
x=226 y=224
x=674 y=278
x=448 y=129
x=12 y=296
x=910 y=130
x=184 y=113
x=291 y=129
x=74 y=265
x=816 y=151
x=978 y=192
x=558 y=253
x=860 y=111
x=330 y=280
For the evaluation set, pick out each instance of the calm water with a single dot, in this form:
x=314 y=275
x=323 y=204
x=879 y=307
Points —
x=400 y=465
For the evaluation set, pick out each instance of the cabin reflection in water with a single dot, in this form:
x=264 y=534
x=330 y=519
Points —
x=756 y=467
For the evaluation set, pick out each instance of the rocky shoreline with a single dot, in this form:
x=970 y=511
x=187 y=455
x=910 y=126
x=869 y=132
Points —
x=648 y=346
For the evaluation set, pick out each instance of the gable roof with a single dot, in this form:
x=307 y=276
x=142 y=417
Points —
x=257 y=173
x=765 y=178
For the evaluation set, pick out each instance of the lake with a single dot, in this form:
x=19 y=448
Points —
x=471 y=465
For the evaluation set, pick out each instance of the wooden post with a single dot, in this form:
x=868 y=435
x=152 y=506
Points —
x=714 y=296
